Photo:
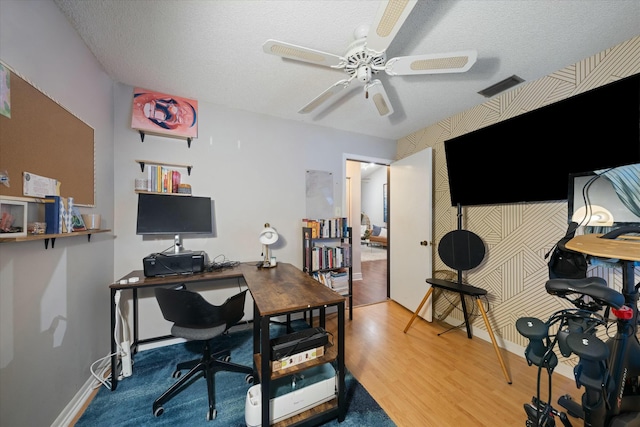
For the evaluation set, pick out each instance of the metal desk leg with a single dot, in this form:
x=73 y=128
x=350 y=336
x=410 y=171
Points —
x=256 y=332
x=265 y=368
x=134 y=343
x=322 y=314
x=114 y=357
x=342 y=393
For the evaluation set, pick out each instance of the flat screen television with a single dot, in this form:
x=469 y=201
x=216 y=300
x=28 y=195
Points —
x=528 y=158
x=593 y=200
x=160 y=214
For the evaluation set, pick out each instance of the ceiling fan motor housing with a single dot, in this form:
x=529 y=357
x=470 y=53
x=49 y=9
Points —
x=361 y=64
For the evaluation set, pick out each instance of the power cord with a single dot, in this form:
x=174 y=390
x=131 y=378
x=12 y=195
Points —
x=123 y=348
x=101 y=377
x=221 y=262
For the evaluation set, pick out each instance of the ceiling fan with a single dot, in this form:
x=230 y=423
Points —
x=366 y=57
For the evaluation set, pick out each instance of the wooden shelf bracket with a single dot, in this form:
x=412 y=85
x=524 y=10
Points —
x=142 y=138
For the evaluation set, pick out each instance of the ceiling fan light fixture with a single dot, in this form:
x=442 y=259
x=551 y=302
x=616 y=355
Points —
x=363 y=73
x=501 y=86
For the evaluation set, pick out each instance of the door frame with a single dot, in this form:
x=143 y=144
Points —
x=346 y=203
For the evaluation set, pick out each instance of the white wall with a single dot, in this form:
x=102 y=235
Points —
x=372 y=201
x=54 y=312
x=252 y=166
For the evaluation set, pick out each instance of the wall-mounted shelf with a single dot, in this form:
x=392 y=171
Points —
x=164 y=194
x=52 y=237
x=143 y=133
x=174 y=165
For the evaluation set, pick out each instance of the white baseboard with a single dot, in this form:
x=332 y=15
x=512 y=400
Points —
x=75 y=405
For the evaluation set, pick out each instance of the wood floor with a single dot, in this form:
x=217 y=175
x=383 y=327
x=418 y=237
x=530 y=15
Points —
x=373 y=286
x=422 y=379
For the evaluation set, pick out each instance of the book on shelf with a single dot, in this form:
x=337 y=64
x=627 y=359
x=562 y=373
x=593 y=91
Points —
x=327 y=257
x=77 y=223
x=336 y=280
x=53 y=214
x=327 y=228
x=66 y=216
x=162 y=179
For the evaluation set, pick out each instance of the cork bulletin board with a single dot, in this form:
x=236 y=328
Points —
x=43 y=138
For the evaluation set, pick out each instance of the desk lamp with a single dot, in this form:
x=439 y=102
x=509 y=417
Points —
x=268 y=236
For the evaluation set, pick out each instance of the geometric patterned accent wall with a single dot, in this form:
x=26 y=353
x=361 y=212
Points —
x=518 y=235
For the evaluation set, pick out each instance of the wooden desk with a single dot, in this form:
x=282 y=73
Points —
x=285 y=290
x=278 y=291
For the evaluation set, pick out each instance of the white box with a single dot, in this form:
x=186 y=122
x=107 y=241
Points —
x=292 y=394
x=18 y=211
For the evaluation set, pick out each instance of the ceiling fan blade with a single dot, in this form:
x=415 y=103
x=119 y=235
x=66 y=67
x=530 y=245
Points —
x=299 y=53
x=378 y=96
x=439 y=63
x=389 y=18
x=324 y=96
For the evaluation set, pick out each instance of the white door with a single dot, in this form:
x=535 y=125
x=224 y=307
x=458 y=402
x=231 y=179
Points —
x=410 y=231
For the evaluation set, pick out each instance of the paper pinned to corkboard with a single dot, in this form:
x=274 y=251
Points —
x=38 y=186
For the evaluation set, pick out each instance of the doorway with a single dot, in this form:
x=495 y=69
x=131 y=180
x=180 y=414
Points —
x=367 y=197
x=410 y=216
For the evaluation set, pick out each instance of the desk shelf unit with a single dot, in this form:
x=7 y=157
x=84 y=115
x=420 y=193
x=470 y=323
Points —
x=303 y=294
x=327 y=256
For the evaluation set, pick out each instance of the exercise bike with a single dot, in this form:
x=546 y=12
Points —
x=608 y=370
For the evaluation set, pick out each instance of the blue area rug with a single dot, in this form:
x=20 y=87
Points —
x=131 y=403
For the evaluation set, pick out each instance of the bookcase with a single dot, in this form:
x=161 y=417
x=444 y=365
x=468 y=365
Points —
x=327 y=254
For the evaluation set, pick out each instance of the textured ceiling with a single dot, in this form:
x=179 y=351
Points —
x=212 y=51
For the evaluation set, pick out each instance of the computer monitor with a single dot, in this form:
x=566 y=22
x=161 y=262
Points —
x=160 y=214
x=593 y=200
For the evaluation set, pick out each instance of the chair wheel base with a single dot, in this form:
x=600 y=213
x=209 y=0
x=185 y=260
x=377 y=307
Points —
x=211 y=415
x=158 y=411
